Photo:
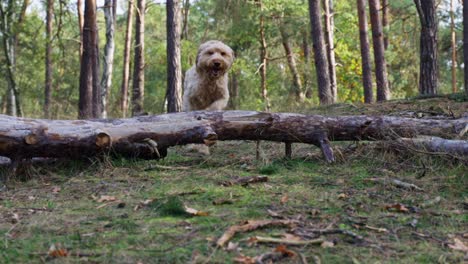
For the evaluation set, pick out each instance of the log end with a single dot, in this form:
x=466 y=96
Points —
x=31 y=139
x=103 y=140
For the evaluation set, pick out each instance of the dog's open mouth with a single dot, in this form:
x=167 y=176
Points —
x=216 y=71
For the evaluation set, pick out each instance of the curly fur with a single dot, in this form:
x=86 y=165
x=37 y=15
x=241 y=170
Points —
x=206 y=83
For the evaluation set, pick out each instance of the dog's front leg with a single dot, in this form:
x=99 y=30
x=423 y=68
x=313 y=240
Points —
x=219 y=104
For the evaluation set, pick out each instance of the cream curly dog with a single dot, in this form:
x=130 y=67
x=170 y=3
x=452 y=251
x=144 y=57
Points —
x=206 y=83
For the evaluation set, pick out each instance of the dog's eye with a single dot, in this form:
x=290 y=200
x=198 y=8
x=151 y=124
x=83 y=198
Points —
x=223 y=54
x=210 y=53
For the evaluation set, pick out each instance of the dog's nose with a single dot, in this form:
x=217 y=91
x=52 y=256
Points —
x=217 y=64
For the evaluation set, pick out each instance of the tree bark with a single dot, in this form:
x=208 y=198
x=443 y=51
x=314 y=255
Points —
x=48 y=59
x=297 y=85
x=454 y=46
x=465 y=43
x=109 y=50
x=385 y=22
x=174 y=67
x=321 y=63
x=150 y=136
x=330 y=46
x=126 y=62
x=307 y=70
x=88 y=97
x=365 y=53
x=263 y=59
x=233 y=90
x=139 y=60
x=383 y=92
x=428 y=77
x=80 y=24
x=185 y=11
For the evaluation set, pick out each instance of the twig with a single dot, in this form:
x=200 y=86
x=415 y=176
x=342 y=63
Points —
x=244 y=181
x=397 y=183
x=262 y=239
x=162 y=167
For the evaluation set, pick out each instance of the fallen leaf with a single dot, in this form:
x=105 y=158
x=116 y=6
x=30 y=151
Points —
x=286 y=252
x=342 y=196
x=106 y=198
x=245 y=260
x=398 y=207
x=195 y=212
x=327 y=244
x=56 y=189
x=291 y=237
x=458 y=245
x=57 y=251
x=284 y=199
x=232 y=246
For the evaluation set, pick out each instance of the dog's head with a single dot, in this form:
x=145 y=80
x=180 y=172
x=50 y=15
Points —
x=214 y=58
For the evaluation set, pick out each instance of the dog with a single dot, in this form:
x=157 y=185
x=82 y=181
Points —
x=206 y=83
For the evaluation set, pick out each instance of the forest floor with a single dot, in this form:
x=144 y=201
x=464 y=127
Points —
x=176 y=209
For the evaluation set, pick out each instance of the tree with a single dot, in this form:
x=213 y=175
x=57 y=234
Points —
x=110 y=7
x=263 y=58
x=385 y=22
x=80 y=24
x=297 y=85
x=453 y=40
x=174 y=68
x=330 y=46
x=139 y=60
x=185 y=12
x=321 y=63
x=89 y=85
x=126 y=61
x=465 y=41
x=365 y=52
x=383 y=92
x=11 y=22
x=428 y=79
x=48 y=60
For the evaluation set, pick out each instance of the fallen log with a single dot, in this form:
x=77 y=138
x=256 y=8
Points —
x=149 y=137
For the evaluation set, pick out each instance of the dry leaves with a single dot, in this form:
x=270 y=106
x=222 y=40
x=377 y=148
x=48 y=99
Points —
x=458 y=245
x=195 y=212
x=398 y=207
x=56 y=251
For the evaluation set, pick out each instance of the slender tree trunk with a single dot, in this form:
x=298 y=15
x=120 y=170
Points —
x=126 y=62
x=428 y=79
x=454 y=46
x=385 y=22
x=109 y=50
x=297 y=85
x=321 y=63
x=330 y=46
x=185 y=12
x=465 y=43
x=88 y=63
x=365 y=52
x=139 y=60
x=233 y=90
x=307 y=70
x=263 y=59
x=80 y=24
x=383 y=92
x=174 y=67
x=48 y=59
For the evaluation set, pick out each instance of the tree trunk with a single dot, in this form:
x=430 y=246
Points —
x=109 y=50
x=307 y=70
x=465 y=43
x=80 y=24
x=297 y=85
x=383 y=92
x=88 y=63
x=365 y=52
x=321 y=63
x=185 y=11
x=174 y=67
x=126 y=62
x=233 y=90
x=263 y=59
x=454 y=46
x=330 y=46
x=385 y=22
x=139 y=60
x=48 y=59
x=428 y=79
x=150 y=136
